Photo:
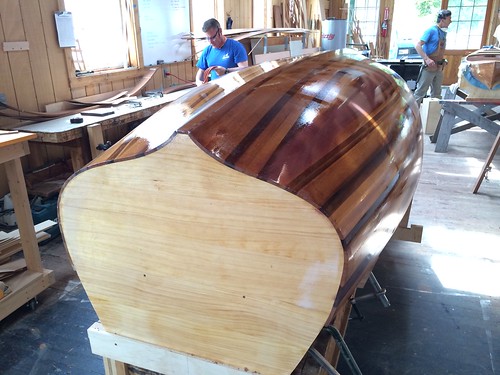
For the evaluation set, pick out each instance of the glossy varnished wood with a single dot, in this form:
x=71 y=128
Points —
x=233 y=223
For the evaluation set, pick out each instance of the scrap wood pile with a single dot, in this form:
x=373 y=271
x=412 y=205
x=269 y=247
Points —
x=10 y=244
x=298 y=14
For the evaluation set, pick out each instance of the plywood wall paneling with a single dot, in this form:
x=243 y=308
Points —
x=176 y=72
x=105 y=87
x=6 y=82
x=19 y=63
x=118 y=85
x=23 y=80
x=129 y=83
x=240 y=11
x=78 y=92
x=92 y=90
x=57 y=60
x=38 y=57
x=157 y=80
x=189 y=71
x=168 y=81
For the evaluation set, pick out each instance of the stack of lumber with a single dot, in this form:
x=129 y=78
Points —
x=10 y=242
x=291 y=14
x=12 y=268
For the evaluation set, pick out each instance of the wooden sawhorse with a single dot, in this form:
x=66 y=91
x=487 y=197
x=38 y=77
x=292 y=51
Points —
x=455 y=111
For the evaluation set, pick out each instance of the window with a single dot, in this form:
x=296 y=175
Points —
x=466 y=29
x=104 y=30
x=367 y=13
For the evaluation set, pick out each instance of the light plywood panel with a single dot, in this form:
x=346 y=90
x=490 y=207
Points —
x=252 y=269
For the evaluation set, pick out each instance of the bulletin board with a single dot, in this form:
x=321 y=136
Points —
x=163 y=24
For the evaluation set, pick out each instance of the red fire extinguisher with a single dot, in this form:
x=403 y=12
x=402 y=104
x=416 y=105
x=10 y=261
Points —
x=385 y=23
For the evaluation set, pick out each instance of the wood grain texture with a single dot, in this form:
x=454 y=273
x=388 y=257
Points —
x=235 y=222
x=233 y=263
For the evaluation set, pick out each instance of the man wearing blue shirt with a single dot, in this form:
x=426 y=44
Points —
x=221 y=57
x=431 y=48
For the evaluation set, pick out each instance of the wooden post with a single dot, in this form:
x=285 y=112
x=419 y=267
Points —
x=17 y=186
x=487 y=163
x=96 y=137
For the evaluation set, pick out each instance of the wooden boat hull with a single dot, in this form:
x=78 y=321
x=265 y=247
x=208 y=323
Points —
x=233 y=223
x=479 y=74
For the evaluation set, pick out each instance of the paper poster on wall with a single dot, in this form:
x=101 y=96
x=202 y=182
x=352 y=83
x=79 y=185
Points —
x=64 y=27
x=163 y=24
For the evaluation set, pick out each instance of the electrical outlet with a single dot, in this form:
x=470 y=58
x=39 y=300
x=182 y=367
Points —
x=165 y=72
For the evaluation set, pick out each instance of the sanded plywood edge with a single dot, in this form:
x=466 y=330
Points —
x=226 y=267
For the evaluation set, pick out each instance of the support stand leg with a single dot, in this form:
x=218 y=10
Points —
x=379 y=293
x=487 y=163
x=325 y=365
x=344 y=350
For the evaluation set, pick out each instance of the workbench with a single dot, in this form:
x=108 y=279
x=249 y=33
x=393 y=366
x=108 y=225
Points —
x=28 y=284
x=89 y=133
x=482 y=113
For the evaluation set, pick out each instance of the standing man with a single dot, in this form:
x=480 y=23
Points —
x=221 y=57
x=431 y=47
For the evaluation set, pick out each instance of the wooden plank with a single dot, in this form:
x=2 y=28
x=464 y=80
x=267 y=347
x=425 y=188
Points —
x=444 y=131
x=259 y=59
x=38 y=53
x=24 y=219
x=14 y=247
x=96 y=138
x=121 y=349
x=11 y=268
x=14 y=138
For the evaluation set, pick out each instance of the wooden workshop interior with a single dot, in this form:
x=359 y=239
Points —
x=32 y=79
x=60 y=113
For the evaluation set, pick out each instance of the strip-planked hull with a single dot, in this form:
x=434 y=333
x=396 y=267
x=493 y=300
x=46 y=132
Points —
x=234 y=223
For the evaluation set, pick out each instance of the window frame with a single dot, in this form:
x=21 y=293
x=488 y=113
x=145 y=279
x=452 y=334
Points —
x=486 y=22
x=352 y=13
x=111 y=75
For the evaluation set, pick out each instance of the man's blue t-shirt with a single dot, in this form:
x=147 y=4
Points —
x=231 y=53
x=431 y=38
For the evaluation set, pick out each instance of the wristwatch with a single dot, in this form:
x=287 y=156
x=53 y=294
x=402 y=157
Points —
x=227 y=71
